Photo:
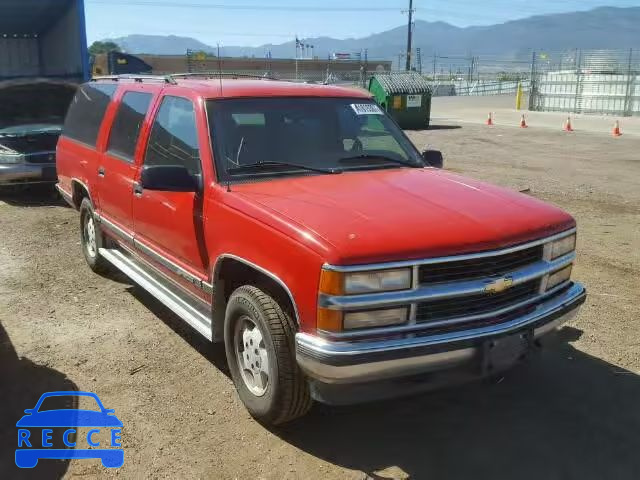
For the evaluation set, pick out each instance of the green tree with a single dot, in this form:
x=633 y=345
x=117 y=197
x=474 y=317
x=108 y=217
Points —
x=103 y=47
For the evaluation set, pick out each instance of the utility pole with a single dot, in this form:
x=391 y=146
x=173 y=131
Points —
x=409 y=26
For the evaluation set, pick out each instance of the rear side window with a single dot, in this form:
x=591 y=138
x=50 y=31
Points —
x=174 y=138
x=86 y=112
x=127 y=124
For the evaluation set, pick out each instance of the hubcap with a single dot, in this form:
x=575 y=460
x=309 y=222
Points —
x=90 y=236
x=252 y=357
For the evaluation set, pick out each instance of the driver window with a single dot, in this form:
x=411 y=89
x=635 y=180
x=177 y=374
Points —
x=174 y=136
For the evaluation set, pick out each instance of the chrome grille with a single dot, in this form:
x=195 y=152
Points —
x=471 y=269
x=485 y=322
x=449 y=308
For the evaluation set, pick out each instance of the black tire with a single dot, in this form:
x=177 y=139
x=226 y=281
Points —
x=92 y=254
x=287 y=392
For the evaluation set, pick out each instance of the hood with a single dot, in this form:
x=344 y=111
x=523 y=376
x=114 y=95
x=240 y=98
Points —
x=408 y=213
x=34 y=101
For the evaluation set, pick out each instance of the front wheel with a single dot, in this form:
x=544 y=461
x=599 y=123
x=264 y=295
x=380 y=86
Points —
x=259 y=342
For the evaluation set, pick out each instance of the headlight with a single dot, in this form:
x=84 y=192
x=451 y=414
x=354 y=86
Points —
x=563 y=246
x=11 y=158
x=381 y=281
x=559 y=277
x=375 y=318
x=338 y=283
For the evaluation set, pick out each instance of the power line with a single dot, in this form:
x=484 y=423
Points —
x=517 y=12
x=218 y=6
x=237 y=33
x=300 y=8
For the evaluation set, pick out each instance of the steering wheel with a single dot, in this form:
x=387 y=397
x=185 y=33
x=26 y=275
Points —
x=357 y=146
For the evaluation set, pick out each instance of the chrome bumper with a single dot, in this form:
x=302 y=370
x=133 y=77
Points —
x=27 y=173
x=362 y=361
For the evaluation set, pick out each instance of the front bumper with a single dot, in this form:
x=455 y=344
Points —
x=368 y=361
x=27 y=173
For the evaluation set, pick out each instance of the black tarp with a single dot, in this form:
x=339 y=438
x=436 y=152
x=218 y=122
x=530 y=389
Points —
x=121 y=63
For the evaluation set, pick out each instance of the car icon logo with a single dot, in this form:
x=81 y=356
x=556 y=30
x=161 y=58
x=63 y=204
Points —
x=33 y=446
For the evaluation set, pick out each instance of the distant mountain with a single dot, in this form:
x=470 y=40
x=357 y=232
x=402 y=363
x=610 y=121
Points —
x=605 y=27
x=160 y=44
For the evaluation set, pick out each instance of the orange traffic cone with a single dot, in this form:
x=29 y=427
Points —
x=567 y=125
x=490 y=119
x=616 y=129
x=523 y=122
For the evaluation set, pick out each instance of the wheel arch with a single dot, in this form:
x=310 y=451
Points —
x=230 y=272
x=79 y=190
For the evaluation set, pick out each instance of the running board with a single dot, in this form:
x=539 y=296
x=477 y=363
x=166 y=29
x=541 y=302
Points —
x=195 y=315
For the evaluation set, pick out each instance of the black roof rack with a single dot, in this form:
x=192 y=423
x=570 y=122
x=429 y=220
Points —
x=171 y=77
x=216 y=74
x=136 y=78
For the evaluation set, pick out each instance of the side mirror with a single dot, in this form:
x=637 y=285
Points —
x=169 y=178
x=433 y=158
x=29 y=411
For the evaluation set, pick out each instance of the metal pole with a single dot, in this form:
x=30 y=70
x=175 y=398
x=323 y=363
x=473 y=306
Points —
x=578 y=84
x=627 y=97
x=435 y=61
x=366 y=67
x=296 y=57
x=408 y=64
x=532 y=83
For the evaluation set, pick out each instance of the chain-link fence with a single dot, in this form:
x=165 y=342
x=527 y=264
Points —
x=486 y=87
x=353 y=72
x=581 y=81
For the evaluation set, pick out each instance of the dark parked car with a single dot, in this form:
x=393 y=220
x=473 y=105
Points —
x=31 y=117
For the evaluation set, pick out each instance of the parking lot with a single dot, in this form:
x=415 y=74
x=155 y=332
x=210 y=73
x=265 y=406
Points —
x=572 y=412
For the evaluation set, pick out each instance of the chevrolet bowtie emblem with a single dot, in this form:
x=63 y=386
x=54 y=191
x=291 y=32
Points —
x=499 y=285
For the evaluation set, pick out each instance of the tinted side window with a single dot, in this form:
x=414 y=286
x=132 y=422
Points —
x=127 y=124
x=86 y=112
x=174 y=138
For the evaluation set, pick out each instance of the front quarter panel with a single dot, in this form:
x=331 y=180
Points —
x=230 y=231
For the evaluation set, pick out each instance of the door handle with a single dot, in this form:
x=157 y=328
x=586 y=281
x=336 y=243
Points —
x=137 y=189
x=101 y=171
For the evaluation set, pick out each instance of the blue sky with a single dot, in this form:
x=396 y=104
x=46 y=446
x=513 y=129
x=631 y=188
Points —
x=235 y=22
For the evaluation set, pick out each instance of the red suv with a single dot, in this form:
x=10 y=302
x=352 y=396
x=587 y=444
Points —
x=298 y=224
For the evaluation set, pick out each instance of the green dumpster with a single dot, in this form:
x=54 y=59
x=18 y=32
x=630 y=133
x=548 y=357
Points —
x=405 y=95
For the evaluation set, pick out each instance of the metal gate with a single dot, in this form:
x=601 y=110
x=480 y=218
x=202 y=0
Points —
x=586 y=81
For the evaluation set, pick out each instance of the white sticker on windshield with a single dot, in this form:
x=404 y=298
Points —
x=366 y=109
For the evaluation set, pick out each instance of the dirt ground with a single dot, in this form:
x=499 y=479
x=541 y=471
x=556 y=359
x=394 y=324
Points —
x=571 y=413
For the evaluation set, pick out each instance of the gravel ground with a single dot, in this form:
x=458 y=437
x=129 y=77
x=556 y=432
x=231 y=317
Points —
x=570 y=413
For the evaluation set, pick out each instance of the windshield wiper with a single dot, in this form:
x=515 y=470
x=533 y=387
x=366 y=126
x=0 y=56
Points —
x=375 y=157
x=266 y=165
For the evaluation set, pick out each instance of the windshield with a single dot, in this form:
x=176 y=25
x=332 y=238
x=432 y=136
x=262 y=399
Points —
x=67 y=402
x=266 y=137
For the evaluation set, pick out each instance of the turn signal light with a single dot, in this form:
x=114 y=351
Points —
x=329 y=320
x=331 y=282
